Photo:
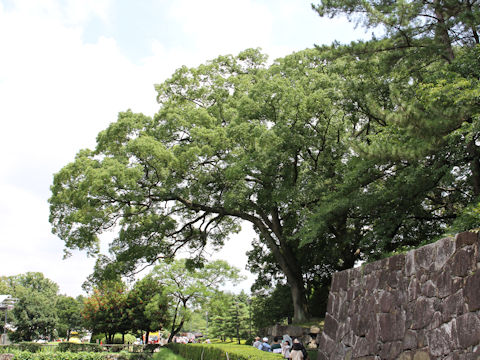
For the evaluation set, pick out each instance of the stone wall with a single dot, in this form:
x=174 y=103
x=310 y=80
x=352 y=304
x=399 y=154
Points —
x=424 y=304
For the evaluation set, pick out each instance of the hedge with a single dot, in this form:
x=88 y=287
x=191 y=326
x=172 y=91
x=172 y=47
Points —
x=75 y=347
x=26 y=355
x=220 y=351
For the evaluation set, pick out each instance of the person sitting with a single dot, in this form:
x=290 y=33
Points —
x=257 y=343
x=276 y=347
x=265 y=345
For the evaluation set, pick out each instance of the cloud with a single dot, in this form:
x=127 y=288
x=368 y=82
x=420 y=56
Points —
x=57 y=94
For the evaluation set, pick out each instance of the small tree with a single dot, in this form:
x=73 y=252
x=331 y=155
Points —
x=105 y=310
x=189 y=287
x=69 y=312
x=147 y=306
x=34 y=314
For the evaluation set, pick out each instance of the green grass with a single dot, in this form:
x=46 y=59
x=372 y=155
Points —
x=166 y=354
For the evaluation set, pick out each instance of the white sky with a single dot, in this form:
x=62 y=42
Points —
x=67 y=67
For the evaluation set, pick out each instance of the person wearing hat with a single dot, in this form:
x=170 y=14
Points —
x=265 y=345
x=257 y=343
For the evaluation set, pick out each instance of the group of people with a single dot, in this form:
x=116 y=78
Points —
x=289 y=350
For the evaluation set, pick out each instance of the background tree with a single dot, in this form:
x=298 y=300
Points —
x=188 y=288
x=415 y=93
x=105 y=310
x=216 y=310
x=69 y=313
x=147 y=306
x=34 y=314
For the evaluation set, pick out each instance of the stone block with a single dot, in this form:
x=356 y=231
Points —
x=472 y=291
x=410 y=263
x=445 y=249
x=428 y=289
x=410 y=340
x=390 y=350
x=463 y=262
x=406 y=355
x=452 y=306
x=414 y=289
x=326 y=344
x=422 y=312
x=339 y=281
x=362 y=348
x=468 y=330
x=386 y=301
x=6 y=356
x=425 y=257
x=466 y=238
x=421 y=355
x=440 y=340
x=331 y=303
x=322 y=356
x=443 y=281
x=387 y=327
x=331 y=326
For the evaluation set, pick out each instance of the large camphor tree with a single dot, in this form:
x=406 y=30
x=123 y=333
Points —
x=234 y=140
x=328 y=153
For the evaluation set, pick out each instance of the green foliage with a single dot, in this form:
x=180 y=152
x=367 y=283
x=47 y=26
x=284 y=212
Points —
x=272 y=307
x=69 y=315
x=147 y=305
x=229 y=316
x=218 y=351
x=74 y=347
x=189 y=288
x=26 y=355
x=105 y=310
x=150 y=348
x=336 y=154
x=30 y=347
x=34 y=315
x=166 y=354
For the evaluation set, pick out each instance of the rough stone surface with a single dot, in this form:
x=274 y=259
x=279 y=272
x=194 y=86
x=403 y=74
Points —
x=6 y=356
x=421 y=305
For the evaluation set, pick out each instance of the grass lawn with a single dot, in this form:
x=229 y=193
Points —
x=166 y=354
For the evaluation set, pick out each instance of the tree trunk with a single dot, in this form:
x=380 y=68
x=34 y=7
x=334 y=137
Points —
x=147 y=335
x=291 y=268
x=175 y=331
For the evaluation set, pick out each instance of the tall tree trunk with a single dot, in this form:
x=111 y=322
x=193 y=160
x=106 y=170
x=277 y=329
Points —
x=176 y=330
x=441 y=32
x=291 y=268
x=473 y=153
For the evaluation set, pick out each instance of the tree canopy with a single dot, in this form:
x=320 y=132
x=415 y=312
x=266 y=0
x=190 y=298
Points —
x=333 y=154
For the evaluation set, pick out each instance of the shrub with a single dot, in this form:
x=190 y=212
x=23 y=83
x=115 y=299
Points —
x=218 y=352
x=74 y=347
x=30 y=347
x=26 y=355
x=150 y=348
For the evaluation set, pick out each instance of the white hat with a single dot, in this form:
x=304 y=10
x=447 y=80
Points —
x=265 y=339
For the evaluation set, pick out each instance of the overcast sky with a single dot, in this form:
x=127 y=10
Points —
x=67 y=67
